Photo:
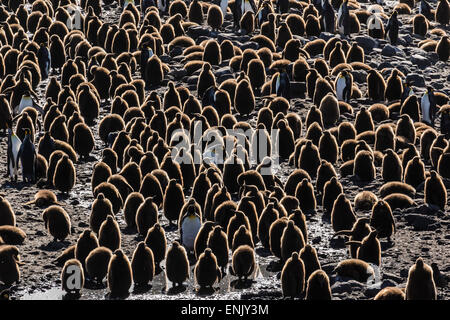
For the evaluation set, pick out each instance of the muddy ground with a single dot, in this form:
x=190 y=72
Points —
x=421 y=231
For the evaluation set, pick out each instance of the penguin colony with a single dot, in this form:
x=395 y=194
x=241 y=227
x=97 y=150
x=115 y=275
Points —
x=83 y=92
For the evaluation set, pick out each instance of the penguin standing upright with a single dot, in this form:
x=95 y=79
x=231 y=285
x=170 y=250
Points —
x=344 y=86
x=392 y=28
x=27 y=101
x=344 y=22
x=283 y=85
x=27 y=156
x=163 y=6
x=407 y=91
x=240 y=8
x=428 y=107
x=223 y=4
x=282 y=6
x=190 y=225
x=44 y=59
x=425 y=9
x=328 y=17
x=14 y=144
x=145 y=4
x=445 y=121
x=146 y=53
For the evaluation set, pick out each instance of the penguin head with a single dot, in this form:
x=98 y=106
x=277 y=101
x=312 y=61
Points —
x=419 y=263
x=26 y=130
x=294 y=256
x=119 y=253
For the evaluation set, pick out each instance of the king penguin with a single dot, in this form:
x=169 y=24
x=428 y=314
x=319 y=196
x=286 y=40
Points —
x=14 y=144
x=27 y=156
x=344 y=22
x=27 y=101
x=344 y=86
x=328 y=17
x=428 y=107
x=146 y=53
x=190 y=225
x=392 y=28
x=283 y=86
x=425 y=9
x=44 y=59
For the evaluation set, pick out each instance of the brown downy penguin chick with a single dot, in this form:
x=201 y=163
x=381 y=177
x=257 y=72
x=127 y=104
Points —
x=87 y=242
x=12 y=235
x=383 y=220
x=376 y=86
x=329 y=107
x=392 y=169
x=7 y=216
x=268 y=216
x=177 y=265
x=369 y=249
x=324 y=173
x=390 y=293
x=156 y=241
x=318 y=286
x=142 y=265
x=405 y=128
x=243 y=262
x=394 y=87
x=415 y=172
x=331 y=191
x=109 y=234
x=151 y=187
x=426 y=141
x=65 y=176
x=218 y=243
x=206 y=271
x=309 y=159
x=44 y=198
x=83 y=140
x=293 y=276
x=420 y=284
x=365 y=200
x=275 y=233
x=285 y=140
x=242 y=237
x=57 y=222
x=206 y=79
x=195 y=13
x=72 y=277
x=9 y=268
x=358 y=232
x=234 y=223
x=215 y=17
x=171 y=97
x=97 y=263
x=337 y=55
x=154 y=72
x=363 y=121
x=132 y=203
x=173 y=201
x=201 y=240
x=364 y=167
x=384 y=138
x=342 y=216
x=119 y=274
x=291 y=241
x=146 y=216
x=411 y=107
x=305 y=195
x=58 y=129
x=328 y=147
x=443 y=48
x=244 y=100
x=100 y=174
x=309 y=257
x=232 y=168
x=435 y=192
x=356 y=269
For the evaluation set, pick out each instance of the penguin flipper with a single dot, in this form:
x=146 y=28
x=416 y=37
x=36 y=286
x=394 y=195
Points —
x=355 y=243
x=342 y=233
x=38 y=108
x=29 y=202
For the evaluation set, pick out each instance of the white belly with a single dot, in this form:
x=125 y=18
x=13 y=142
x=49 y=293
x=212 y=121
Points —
x=190 y=229
x=425 y=108
x=246 y=7
x=224 y=6
x=340 y=86
x=25 y=102
x=15 y=146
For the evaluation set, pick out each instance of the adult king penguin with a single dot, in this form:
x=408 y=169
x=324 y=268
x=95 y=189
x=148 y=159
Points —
x=282 y=85
x=328 y=17
x=27 y=156
x=344 y=86
x=428 y=107
x=392 y=28
x=44 y=59
x=344 y=19
x=190 y=225
x=14 y=144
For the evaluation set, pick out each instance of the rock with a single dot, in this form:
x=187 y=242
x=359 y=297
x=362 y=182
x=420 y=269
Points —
x=349 y=285
x=316 y=240
x=178 y=73
x=389 y=50
x=326 y=36
x=385 y=64
x=421 y=61
x=192 y=80
x=421 y=222
x=196 y=31
x=223 y=71
x=224 y=77
x=249 y=45
x=366 y=42
x=359 y=76
x=416 y=79
x=176 y=51
x=404 y=273
x=392 y=277
x=165 y=58
x=298 y=89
